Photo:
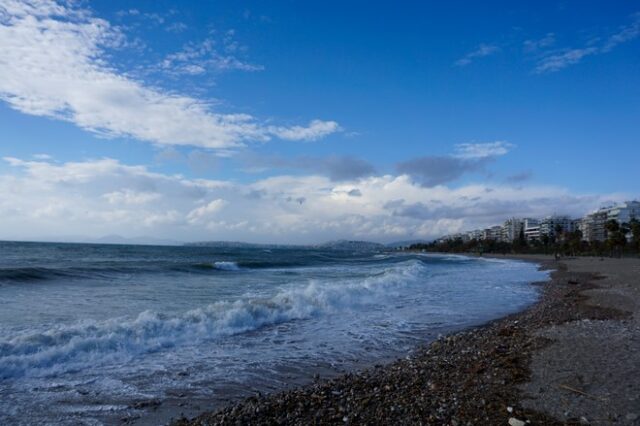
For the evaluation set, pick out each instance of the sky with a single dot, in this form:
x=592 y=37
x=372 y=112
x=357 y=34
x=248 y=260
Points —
x=304 y=121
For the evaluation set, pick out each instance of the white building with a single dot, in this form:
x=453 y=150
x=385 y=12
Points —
x=511 y=229
x=475 y=235
x=493 y=233
x=531 y=229
x=593 y=225
x=623 y=213
x=549 y=224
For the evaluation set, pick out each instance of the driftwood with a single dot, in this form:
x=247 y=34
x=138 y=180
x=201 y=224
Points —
x=578 y=391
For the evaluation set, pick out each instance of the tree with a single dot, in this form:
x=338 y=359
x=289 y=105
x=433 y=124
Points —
x=616 y=236
x=558 y=232
x=574 y=241
x=563 y=242
x=521 y=242
x=545 y=241
x=558 y=235
x=634 y=224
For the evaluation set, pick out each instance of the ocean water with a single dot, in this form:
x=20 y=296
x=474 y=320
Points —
x=95 y=334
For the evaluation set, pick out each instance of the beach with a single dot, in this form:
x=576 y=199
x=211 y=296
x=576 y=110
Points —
x=571 y=358
x=305 y=213
x=145 y=334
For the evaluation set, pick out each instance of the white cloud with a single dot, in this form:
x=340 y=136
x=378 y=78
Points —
x=483 y=150
x=41 y=199
x=42 y=157
x=480 y=52
x=624 y=34
x=130 y=12
x=176 y=27
x=558 y=60
x=54 y=64
x=544 y=42
x=199 y=214
x=127 y=196
x=316 y=129
x=206 y=56
x=562 y=60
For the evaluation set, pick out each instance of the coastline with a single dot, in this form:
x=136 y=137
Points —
x=523 y=367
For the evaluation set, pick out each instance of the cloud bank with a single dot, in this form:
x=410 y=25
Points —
x=43 y=199
x=55 y=64
x=336 y=167
x=469 y=157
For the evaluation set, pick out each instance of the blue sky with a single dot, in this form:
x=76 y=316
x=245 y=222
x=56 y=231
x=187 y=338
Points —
x=305 y=121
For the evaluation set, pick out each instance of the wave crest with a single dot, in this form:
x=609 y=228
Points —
x=67 y=348
x=226 y=266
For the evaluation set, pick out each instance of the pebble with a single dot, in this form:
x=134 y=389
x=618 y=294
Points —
x=459 y=379
x=516 y=422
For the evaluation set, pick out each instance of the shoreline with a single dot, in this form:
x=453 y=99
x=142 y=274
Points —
x=490 y=374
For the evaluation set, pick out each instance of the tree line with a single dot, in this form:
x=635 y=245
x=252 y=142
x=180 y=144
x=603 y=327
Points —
x=560 y=243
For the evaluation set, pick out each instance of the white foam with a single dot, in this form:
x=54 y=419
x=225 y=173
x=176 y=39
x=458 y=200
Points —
x=90 y=343
x=226 y=266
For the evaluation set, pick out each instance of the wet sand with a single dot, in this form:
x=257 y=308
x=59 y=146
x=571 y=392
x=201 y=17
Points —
x=572 y=358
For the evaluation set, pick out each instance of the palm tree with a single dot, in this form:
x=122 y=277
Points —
x=574 y=241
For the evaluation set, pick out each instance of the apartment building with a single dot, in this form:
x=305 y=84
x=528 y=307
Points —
x=549 y=224
x=531 y=229
x=511 y=229
x=593 y=225
x=623 y=213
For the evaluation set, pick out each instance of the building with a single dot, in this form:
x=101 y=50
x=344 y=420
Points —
x=475 y=235
x=623 y=213
x=575 y=224
x=592 y=226
x=494 y=233
x=511 y=229
x=531 y=229
x=549 y=224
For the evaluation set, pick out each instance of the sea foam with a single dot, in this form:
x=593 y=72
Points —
x=226 y=266
x=89 y=343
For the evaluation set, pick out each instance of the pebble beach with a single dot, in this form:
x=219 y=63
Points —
x=571 y=358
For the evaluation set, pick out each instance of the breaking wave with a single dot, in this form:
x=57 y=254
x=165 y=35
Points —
x=28 y=274
x=31 y=274
x=73 y=347
x=227 y=266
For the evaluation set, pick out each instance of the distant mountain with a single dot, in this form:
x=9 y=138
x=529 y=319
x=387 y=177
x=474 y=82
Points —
x=352 y=245
x=118 y=239
x=236 y=244
x=331 y=245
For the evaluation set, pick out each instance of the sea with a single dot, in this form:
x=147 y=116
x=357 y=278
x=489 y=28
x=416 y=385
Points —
x=96 y=334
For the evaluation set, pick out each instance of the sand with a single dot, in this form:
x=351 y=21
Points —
x=599 y=360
